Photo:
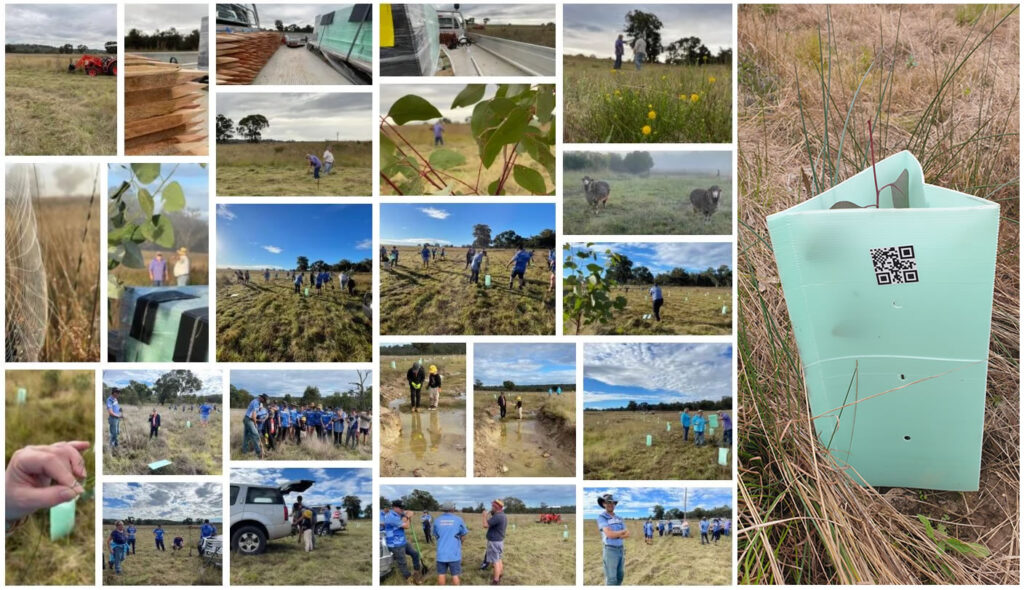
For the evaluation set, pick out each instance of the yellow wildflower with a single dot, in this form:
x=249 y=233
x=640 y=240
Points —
x=652 y=115
x=694 y=98
x=711 y=79
x=646 y=129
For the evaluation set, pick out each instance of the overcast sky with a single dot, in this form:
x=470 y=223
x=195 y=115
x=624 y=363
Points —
x=330 y=485
x=502 y=14
x=303 y=116
x=172 y=501
x=278 y=383
x=634 y=502
x=57 y=24
x=213 y=383
x=472 y=495
x=524 y=364
x=593 y=28
x=301 y=14
x=439 y=95
x=59 y=180
x=615 y=374
x=152 y=17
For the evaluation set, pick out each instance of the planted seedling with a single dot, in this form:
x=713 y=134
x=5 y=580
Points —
x=899 y=189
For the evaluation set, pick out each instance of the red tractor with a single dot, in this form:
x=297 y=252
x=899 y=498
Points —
x=95 y=65
x=550 y=519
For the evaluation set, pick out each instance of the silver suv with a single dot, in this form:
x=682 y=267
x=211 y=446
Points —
x=675 y=527
x=259 y=514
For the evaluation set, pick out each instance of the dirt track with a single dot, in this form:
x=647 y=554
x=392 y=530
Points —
x=297 y=65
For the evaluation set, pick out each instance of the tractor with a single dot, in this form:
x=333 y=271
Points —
x=95 y=65
x=550 y=519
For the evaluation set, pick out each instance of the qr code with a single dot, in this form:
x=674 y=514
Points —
x=894 y=265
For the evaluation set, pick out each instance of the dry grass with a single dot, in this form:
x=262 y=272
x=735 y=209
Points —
x=149 y=567
x=275 y=169
x=803 y=520
x=687 y=311
x=535 y=34
x=342 y=559
x=51 y=112
x=670 y=561
x=67 y=401
x=310 y=449
x=199 y=271
x=194 y=450
x=542 y=444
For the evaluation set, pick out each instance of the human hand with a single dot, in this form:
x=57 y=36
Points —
x=41 y=476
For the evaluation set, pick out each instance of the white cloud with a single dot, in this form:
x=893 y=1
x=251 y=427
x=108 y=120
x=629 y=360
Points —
x=694 y=371
x=273 y=249
x=413 y=241
x=435 y=213
x=173 y=501
x=365 y=244
x=224 y=212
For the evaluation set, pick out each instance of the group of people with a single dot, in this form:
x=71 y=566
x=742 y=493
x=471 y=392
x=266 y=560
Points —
x=418 y=378
x=121 y=541
x=316 y=164
x=699 y=423
x=716 y=527
x=448 y=531
x=503 y=406
x=477 y=261
x=306 y=518
x=159 y=274
x=115 y=415
x=266 y=424
x=320 y=281
x=639 y=52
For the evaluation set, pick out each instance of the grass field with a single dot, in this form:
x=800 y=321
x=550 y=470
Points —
x=67 y=399
x=149 y=567
x=691 y=104
x=670 y=561
x=687 y=311
x=310 y=450
x=52 y=112
x=615 y=447
x=199 y=273
x=440 y=300
x=658 y=204
x=458 y=138
x=278 y=169
x=194 y=450
x=269 y=322
x=342 y=559
x=535 y=34
x=535 y=554
x=542 y=444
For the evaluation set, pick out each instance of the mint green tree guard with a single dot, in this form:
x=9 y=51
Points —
x=894 y=303
x=62 y=519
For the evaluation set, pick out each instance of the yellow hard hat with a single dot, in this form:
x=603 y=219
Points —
x=433 y=369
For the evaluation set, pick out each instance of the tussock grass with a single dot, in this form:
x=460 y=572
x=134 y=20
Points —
x=52 y=112
x=691 y=104
x=342 y=559
x=149 y=567
x=658 y=204
x=278 y=169
x=687 y=311
x=945 y=88
x=194 y=450
x=310 y=449
x=67 y=401
x=670 y=561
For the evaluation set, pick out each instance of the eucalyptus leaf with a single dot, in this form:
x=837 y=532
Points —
x=146 y=202
x=510 y=131
x=471 y=94
x=173 y=197
x=845 y=205
x=164 y=234
x=412 y=108
x=529 y=179
x=900 y=191
x=132 y=255
x=146 y=173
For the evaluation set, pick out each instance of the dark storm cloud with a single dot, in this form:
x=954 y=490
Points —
x=57 y=24
x=592 y=28
x=299 y=116
x=152 y=17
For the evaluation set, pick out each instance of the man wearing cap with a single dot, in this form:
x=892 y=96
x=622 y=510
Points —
x=182 y=266
x=449 y=529
x=495 y=522
x=395 y=522
x=252 y=434
x=613 y=531
x=434 y=386
x=114 y=415
x=416 y=377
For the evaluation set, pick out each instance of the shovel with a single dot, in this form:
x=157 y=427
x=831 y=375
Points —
x=423 y=566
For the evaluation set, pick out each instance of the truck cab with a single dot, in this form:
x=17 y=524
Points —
x=452 y=28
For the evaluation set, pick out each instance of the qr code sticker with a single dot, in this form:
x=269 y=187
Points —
x=895 y=265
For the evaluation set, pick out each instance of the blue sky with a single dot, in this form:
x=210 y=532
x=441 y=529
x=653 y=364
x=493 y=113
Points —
x=637 y=502
x=471 y=495
x=448 y=223
x=174 y=501
x=330 y=487
x=663 y=257
x=592 y=28
x=524 y=364
x=262 y=236
x=278 y=383
x=614 y=374
x=193 y=178
x=213 y=383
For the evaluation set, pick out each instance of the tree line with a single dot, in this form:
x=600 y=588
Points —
x=179 y=385
x=420 y=348
x=36 y=48
x=167 y=40
x=420 y=500
x=250 y=128
x=302 y=264
x=544 y=240
x=724 y=404
x=511 y=386
x=631 y=163
x=685 y=51
x=357 y=398
x=659 y=512
x=621 y=269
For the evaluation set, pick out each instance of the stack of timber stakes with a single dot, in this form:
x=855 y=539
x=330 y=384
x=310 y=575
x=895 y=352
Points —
x=163 y=109
x=241 y=56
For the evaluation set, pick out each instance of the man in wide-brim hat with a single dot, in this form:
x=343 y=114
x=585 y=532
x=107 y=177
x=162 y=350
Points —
x=613 y=533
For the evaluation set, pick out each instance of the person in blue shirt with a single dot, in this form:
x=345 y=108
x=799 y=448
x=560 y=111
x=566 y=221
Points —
x=158 y=537
x=475 y=264
x=726 y=429
x=352 y=437
x=314 y=164
x=648 y=532
x=657 y=300
x=204 y=414
x=298 y=283
x=286 y=424
x=395 y=522
x=438 y=133
x=620 y=48
x=661 y=528
x=425 y=254
x=114 y=416
x=252 y=433
x=520 y=259
x=296 y=426
x=449 y=530
x=118 y=543
x=716 y=530
x=206 y=531
x=685 y=419
x=704 y=531
x=394 y=256
x=613 y=532
x=154 y=424
x=130 y=529
x=699 y=424
x=426 y=521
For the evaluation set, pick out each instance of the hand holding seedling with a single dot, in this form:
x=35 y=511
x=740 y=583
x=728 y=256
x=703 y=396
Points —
x=41 y=476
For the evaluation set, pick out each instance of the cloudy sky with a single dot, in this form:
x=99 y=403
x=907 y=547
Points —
x=517 y=14
x=152 y=17
x=213 y=380
x=614 y=374
x=525 y=364
x=304 y=116
x=301 y=14
x=593 y=28
x=471 y=495
x=330 y=485
x=663 y=257
x=439 y=95
x=193 y=178
x=686 y=161
x=58 y=180
x=278 y=383
x=637 y=502
x=274 y=236
x=56 y=24
x=450 y=223
x=174 y=501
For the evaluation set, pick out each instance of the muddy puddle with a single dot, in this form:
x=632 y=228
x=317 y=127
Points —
x=527 y=450
x=432 y=443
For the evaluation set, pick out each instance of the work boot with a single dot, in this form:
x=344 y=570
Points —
x=417 y=577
